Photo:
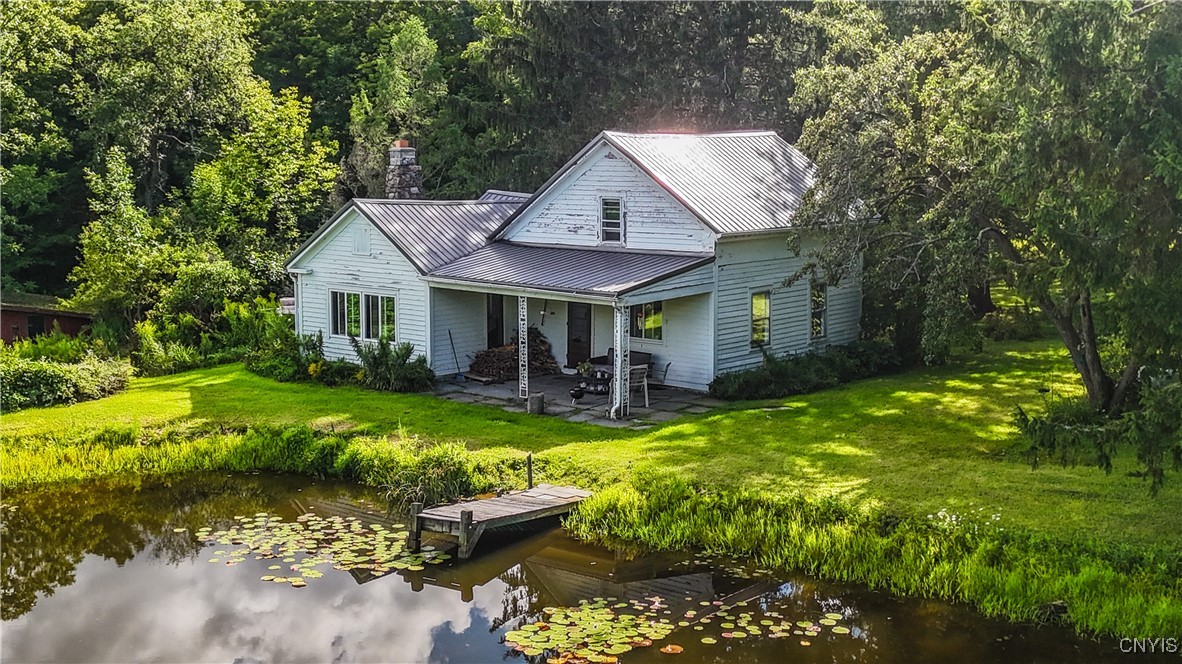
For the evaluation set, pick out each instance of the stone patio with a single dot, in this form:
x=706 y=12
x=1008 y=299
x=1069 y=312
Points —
x=665 y=403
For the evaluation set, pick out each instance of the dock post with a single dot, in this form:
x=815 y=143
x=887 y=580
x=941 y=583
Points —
x=416 y=528
x=466 y=542
x=529 y=470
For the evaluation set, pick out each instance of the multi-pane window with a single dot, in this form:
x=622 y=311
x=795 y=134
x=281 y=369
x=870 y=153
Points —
x=647 y=321
x=611 y=220
x=761 y=317
x=379 y=317
x=368 y=316
x=818 y=299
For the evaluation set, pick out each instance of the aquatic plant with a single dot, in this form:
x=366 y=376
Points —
x=1002 y=571
x=312 y=541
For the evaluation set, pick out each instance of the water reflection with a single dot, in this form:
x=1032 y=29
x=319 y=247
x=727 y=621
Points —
x=97 y=573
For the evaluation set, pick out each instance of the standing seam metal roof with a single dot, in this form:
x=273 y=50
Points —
x=738 y=182
x=434 y=233
x=734 y=182
x=500 y=196
x=564 y=269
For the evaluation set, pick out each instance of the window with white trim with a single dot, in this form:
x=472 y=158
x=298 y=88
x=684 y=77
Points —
x=346 y=313
x=379 y=317
x=611 y=220
x=362 y=315
x=818 y=305
x=761 y=318
x=648 y=321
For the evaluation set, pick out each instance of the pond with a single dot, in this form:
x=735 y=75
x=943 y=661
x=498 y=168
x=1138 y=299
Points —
x=260 y=568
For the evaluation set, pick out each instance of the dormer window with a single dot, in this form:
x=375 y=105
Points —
x=611 y=220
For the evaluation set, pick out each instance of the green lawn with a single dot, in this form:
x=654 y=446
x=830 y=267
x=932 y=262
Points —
x=915 y=442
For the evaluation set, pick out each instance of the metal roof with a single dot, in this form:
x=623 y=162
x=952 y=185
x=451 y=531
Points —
x=428 y=233
x=566 y=270
x=738 y=182
x=734 y=182
x=501 y=196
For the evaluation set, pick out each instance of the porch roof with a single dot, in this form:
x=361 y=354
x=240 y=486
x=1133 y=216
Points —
x=592 y=272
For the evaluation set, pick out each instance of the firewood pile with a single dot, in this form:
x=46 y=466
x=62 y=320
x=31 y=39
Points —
x=501 y=362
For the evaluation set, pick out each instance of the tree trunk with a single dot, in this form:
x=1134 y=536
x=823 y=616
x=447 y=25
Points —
x=1081 y=345
x=981 y=300
x=1081 y=342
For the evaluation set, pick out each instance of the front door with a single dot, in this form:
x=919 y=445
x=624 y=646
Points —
x=496 y=320
x=578 y=333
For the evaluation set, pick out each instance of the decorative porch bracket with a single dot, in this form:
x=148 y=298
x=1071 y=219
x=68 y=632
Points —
x=621 y=396
x=523 y=347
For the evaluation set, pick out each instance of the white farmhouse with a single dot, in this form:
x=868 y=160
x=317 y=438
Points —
x=673 y=245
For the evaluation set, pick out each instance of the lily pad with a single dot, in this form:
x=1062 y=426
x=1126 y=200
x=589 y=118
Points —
x=841 y=630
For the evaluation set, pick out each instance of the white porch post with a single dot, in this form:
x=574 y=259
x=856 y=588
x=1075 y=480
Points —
x=522 y=347
x=622 y=364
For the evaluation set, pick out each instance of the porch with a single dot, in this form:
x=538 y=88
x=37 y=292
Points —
x=665 y=403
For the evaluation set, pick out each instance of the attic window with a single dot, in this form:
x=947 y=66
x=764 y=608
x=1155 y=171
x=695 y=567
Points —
x=361 y=241
x=611 y=220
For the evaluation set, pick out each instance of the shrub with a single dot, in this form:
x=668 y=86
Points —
x=200 y=289
x=801 y=374
x=389 y=367
x=278 y=352
x=26 y=383
x=156 y=357
x=1012 y=324
x=57 y=347
x=333 y=372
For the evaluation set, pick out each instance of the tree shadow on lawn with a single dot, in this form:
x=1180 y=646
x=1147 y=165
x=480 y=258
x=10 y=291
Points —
x=920 y=441
x=244 y=399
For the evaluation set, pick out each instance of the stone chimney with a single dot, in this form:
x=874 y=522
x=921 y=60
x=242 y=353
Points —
x=404 y=177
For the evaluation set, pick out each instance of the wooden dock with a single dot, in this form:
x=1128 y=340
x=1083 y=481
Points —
x=467 y=521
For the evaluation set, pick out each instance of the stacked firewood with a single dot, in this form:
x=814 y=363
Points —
x=501 y=362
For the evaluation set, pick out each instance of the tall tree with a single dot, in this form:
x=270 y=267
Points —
x=268 y=185
x=1044 y=135
x=37 y=40
x=569 y=70
x=399 y=95
x=155 y=78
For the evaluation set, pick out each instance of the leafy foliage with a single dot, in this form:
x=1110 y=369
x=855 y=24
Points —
x=1010 y=137
x=800 y=374
x=155 y=78
x=392 y=367
x=42 y=382
x=57 y=347
x=1073 y=432
x=1012 y=323
x=267 y=187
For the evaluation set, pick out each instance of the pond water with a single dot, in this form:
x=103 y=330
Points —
x=106 y=573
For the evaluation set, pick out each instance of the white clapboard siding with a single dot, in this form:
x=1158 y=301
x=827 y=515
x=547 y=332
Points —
x=687 y=345
x=752 y=265
x=462 y=313
x=568 y=214
x=697 y=280
x=383 y=271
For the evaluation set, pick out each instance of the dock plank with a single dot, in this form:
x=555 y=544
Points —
x=476 y=516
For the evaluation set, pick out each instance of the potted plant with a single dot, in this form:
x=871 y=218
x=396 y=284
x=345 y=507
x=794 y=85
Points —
x=584 y=368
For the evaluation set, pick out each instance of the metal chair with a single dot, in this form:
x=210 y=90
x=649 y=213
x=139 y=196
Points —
x=637 y=380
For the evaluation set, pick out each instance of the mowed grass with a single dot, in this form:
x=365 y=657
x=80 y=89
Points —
x=912 y=443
